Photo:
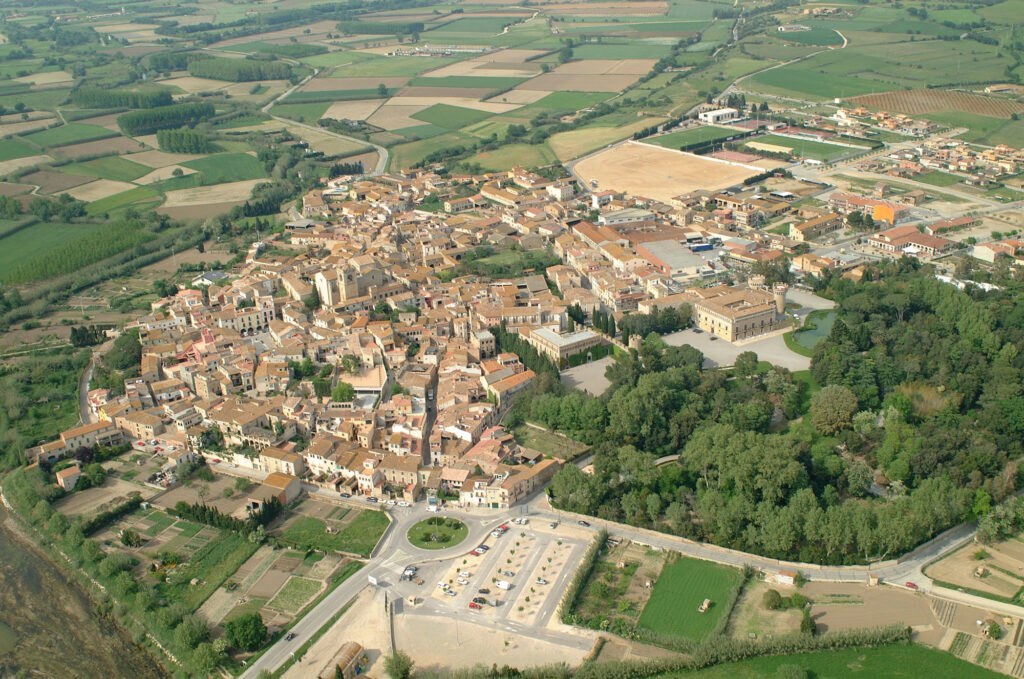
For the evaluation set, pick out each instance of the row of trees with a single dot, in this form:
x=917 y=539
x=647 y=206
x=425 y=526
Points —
x=663 y=321
x=149 y=121
x=239 y=70
x=211 y=516
x=531 y=358
x=86 y=336
x=95 y=97
x=183 y=140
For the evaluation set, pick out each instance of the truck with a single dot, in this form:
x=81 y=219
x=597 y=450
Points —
x=503 y=584
x=699 y=247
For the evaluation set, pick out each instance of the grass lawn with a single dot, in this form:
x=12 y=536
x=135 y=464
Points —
x=227 y=167
x=450 y=117
x=680 y=589
x=37 y=240
x=359 y=537
x=72 y=133
x=548 y=442
x=938 y=178
x=438 y=533
x=295 y=594
x=897 y=661
x=110 y=167
x=707 y=133
x=15 y=148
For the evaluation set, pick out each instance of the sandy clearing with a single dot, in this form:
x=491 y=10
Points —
x=658 y=173
x=48 y=78
x=219 y=193
x=162 y=173
x=157 y=159
x=101 y=188
x=329 y=84
x=465 y=102
x=7 y=166
x=392 y=117
x=24 y=126
x=582 y=83
x=522 y=97
x=360 y=109
x=89 y=148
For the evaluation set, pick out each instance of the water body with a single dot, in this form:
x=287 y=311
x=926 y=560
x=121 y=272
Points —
x=48 y=626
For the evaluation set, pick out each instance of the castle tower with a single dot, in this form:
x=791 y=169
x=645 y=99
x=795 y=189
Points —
x=756 y=282
x=779 y=294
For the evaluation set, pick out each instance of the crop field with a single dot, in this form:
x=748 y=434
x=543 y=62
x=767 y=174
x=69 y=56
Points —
x=38 y=239
x=576 y=143
x=632 y=50
x=510 y=155
x=227 y=167
x=450 y=117
x=815 y=36
x=295 y=594
x=658 y=173
x=706 y=133
x=358 y=537
x=470 y=81
x=72 y=133
x=308 y=113
x=119 y=200
x=915 y=102
x=111 y=167
x=981 y=129
x=15 y=148
x=821 y=85
x=562 y=101
x=679 y=591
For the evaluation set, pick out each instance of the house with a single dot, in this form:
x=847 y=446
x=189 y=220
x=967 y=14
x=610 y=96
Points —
x=718 y=116
x=67 y=478
x=285 y=487
x=273 y=459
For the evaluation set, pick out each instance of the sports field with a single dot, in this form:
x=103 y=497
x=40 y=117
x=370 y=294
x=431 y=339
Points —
x=680 y=589
x=805 y=148
x=706 y=133
x=658 y=173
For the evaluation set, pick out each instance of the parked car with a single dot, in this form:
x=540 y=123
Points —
x=483 y=548
x=462 y=581
x=346 y=494
x=371 y=499
x=583 y=523
x=465 y=574
x=475 y=552
x=484 y=590
x=475 y=606
x=479 y=600
x=403 y=503
x=541 y=581
x=553 y=524
x=442 y=585
x=496 y=533
x=450 y=592
x=289 y=636
x=911 y=585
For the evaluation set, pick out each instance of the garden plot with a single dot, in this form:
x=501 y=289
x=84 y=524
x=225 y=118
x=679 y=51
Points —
x=999 y=571
x=337 y=84
x=463 y=102
x=661 y=174
x=99 y=189
x=582 y=83
x=361 y=109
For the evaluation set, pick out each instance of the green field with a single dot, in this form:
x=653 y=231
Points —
x=937 y=178
x=450 y=117
x=359 y=65
x=634 y=50
x=110 y=167
x=308 y=113
x=438 y=533
x=467 y=81
x=295 y=594
x=513 y=155
x=119 y=200
x=406 y=155
x=72 y=133
x=328 y=96
x=548 y=442
x=227 y=167
x=15 y=148
x=680 y=589
x=815 y=36
x=212 y=564
x=897 y=661
x=707 y=133
x=806 y=148
x=562 y=101
x=38 y=239
x=983 y=129
x=476 y=26
x=820 y=85
x=359 y=537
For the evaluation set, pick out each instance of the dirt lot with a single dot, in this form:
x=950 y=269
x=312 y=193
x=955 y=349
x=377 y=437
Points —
x=657 y=173
x=581 y=83
x=54 y=182
x=871 y=606
x=101 y=188
x=750 y=619
x=361 y=109
x=89 y=148
x=89 y=500
x=235 y=505
x=1003 y=558
x=207 y=195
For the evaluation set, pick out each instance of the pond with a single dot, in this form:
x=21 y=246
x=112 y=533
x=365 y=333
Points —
x=816 y=328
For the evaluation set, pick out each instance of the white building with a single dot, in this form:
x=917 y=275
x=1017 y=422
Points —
x=721 y=115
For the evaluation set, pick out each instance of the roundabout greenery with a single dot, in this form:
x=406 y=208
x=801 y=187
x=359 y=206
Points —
x=438 y=533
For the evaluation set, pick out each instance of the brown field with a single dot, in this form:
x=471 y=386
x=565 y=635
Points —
x=18 y=163
x=54 y=182
x=88 y=501
x=47 y=78
x=369 y=160
x=157 y=159
x=959 y=567
x=496 y=64
x=198 y=212
x=360 y=109
x=657 y=173
x=108 y=121
x=117 y=144
x=11 y=189
x=465 y=102
x=932 y=101
x=438 y=92
x=607 y=8
x=522 y=97
x=392 y=117
x=603 y=66
x=328 y=84
x=24 y=126
x=581 y=83
x=322 y=141
x=162 y=173
x=232 y=192
x=101 y=188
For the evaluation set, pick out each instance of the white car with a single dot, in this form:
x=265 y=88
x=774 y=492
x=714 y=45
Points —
x=403 y=503
x=450 y=592
x=462 y=581
x=443 y=585
x=541 y=581
x=392 y=502
x=495 y=533
x=465 y=574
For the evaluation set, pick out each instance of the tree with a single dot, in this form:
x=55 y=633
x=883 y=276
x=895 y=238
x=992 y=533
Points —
x=192 y=631
x=772 y=600
x=246 y=632
x=398 y=665
x=746 y=364
x=832 y=409
x=343 y=392
x=807 y=624
x=350 y=363
x=382 y=90
x=131 y=538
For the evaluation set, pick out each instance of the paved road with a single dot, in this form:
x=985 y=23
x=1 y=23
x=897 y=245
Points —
x=84 y=413
x=382 y=153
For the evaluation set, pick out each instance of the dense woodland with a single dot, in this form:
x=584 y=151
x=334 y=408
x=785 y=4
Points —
x=149 y=121
x=96 y=97
x=239 y=70
x=914 y=424
x=183 y=141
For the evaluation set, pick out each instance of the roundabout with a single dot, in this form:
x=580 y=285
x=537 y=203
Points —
x=437 y=532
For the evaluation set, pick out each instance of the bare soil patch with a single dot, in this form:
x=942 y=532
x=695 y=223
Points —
x=108 y=121
x=101 y=188
x=658 y=173
x=360 y=109
x=54 y=182
x=18 y=163
x=961 y=568
x=87 y=501
x=12 y=189
x=90 y=148
x=392 y=117
x=933 y=101
x=582 y=83
x=199 y=211
x=156 y=159
x=207 y=195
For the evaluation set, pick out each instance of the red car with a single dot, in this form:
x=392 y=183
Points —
x=475 y=552
x=475 y=606
x=911 y=585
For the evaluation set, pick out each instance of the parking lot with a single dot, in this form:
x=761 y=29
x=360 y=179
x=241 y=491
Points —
x=717 y=352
